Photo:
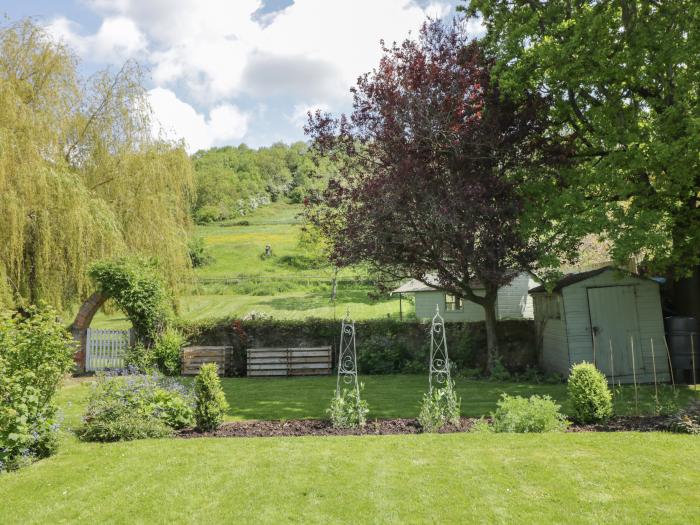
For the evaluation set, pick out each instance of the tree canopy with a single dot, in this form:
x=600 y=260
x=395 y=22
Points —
x=81 y=177
x=622 y=81
x=426 y=159
x=232 y=181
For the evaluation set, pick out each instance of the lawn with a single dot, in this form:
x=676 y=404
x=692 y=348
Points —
x=452 y=478
x=388 y=396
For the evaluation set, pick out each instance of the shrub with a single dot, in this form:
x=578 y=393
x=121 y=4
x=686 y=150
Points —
x=589 y=394
x=210 y=401
x=166 y=352
x=534 y=414
x=348 y=409
x=199 y=255
x=140 y=359
x=35 y=353
x=499 y=372
x=122 y=408
x=439 y=407
x=687 y=421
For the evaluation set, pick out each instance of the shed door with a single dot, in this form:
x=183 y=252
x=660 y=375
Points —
x=614 y=321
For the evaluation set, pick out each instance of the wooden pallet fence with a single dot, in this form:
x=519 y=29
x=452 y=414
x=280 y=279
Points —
x=193 y=357
x=289 y=361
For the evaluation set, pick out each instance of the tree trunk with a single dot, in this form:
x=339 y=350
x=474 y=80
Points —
x=492 y=353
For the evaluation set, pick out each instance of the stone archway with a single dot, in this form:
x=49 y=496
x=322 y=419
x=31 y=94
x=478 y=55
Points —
x=82 y=323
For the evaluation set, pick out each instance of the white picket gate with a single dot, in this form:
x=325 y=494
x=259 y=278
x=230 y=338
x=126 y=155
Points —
x=105 y=348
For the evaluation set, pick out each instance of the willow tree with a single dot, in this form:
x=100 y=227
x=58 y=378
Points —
x=81 y=177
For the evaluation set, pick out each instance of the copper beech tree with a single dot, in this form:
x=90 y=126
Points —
x=427 y=163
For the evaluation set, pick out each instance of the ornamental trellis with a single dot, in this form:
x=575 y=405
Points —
x=439 y=361
x=347 y=358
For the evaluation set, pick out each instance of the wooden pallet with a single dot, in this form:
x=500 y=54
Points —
x=193 y=357
x=289 y=361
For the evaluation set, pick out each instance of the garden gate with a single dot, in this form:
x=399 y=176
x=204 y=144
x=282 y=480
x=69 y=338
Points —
x=106 y=348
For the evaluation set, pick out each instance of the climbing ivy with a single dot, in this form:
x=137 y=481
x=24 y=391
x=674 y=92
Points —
x=135 y=285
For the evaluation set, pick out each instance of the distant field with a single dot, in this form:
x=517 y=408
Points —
x=270 y=285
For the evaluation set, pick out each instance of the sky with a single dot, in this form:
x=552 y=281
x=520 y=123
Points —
x=223 y=72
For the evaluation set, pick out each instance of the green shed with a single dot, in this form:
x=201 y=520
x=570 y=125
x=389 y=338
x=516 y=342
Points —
x=607 y=316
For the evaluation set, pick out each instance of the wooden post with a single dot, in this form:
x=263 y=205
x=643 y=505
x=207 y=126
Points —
x=634 y=376
x=612 y=363
x=653 y=364
x=692 y=357
x=670 y=364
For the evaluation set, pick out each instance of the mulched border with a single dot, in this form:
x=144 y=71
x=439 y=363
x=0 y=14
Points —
x=381 y=427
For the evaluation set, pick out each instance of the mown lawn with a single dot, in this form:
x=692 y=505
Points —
x=388 y=396
x=457 y=478
x=452 y=478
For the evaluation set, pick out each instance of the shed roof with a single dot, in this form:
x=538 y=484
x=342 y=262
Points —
x=573 y=278
x=414 y=285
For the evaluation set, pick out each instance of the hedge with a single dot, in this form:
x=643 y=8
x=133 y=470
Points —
x=383 y=346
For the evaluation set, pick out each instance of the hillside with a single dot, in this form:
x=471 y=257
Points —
x=240 y=281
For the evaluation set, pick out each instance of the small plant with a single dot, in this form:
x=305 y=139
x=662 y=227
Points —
x=166 y=352
x=210 y=401
x=141 y=358
x=525 y=415
x=499 y=372
x=348 y=409
x=439 y=407
x=687 y=421
x=591 y=399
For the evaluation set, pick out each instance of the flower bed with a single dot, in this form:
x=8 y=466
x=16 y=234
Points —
x=318 y=427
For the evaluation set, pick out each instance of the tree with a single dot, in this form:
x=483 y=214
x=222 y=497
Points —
x=81 y=177
x=622 y=80
x=425 y=161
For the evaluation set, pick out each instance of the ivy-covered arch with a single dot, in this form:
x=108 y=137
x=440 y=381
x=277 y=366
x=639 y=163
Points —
x=136 y=288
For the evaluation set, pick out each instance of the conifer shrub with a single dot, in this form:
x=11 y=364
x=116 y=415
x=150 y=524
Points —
x=591 y=399
x=210 y=401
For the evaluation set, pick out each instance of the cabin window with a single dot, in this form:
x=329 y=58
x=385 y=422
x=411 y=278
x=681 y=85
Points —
x=452 y=303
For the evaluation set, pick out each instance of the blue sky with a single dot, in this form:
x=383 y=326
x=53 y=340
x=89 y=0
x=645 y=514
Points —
x=231 y=71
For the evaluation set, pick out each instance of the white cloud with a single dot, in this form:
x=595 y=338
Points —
x=217 y=49
x=117 y=39
x=300 y=113
x=177 y=119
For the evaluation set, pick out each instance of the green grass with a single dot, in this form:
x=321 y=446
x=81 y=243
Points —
x=388 y=396
x=281 y=290
x=453 y=478
x=458 y=478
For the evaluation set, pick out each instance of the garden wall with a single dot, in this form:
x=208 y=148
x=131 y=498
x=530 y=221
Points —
x=383 y=346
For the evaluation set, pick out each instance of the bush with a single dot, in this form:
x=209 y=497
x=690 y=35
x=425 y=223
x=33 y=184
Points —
x=348 y=410
x=199 y=255
x=534 y=414
x=166 y=352
x=35 y=353
x=439 y=407
x=140 y=359
x=210 y=401
x=687 y=421
x=589 y=394
x=499 y=372
x=122 y=408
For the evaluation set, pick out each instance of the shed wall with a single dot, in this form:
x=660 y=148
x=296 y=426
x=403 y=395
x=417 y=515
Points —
x=426 y=301
x=514 y=301
x=551 y=334
x=650 y=321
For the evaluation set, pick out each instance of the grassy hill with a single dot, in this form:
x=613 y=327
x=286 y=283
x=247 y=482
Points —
x=239 y=281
